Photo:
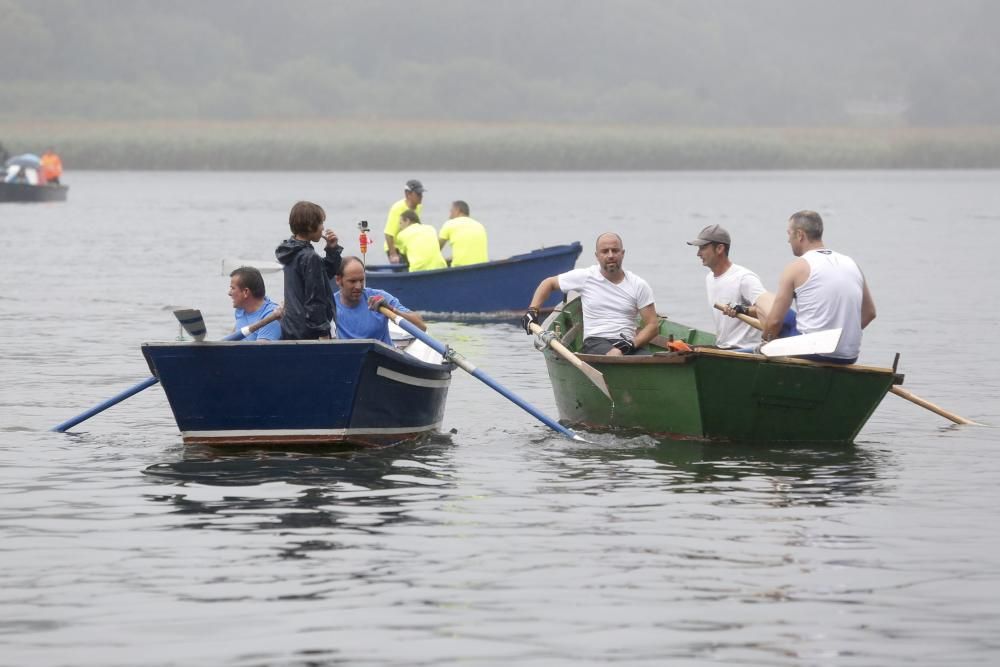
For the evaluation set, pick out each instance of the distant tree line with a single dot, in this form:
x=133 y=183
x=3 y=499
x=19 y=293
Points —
x=379 y=145
x=686 y=62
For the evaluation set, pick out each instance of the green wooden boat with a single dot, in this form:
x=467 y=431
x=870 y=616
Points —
x=712 y=394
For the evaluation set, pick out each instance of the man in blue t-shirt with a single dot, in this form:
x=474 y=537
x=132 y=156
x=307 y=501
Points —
x=357 y=305
x=246 y=289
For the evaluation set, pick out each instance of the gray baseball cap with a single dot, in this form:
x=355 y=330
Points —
x=711 y=234
x=414 y=185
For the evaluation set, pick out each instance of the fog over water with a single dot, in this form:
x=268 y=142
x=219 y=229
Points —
x=692 y=62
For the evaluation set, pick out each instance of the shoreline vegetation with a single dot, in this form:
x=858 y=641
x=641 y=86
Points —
x=399 y=145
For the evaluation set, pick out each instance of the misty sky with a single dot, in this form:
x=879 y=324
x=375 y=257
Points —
x=703 y=62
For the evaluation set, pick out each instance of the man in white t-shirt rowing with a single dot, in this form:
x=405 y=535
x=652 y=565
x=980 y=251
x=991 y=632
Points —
x=829 y=290
x=737 y=288
x=612 y=299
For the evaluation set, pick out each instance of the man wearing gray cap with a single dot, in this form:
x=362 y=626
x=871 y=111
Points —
x=737 y=288
x=413 y=196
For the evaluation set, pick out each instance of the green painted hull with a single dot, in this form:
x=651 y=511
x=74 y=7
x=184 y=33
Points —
x=713 y=394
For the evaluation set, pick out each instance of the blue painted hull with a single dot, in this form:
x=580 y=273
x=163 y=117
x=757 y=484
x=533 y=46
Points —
x=499 y=289
x=298 y=392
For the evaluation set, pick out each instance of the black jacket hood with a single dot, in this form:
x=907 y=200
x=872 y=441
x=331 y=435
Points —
x=289 y=248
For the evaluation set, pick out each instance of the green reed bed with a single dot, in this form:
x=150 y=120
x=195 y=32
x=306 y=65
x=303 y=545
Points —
x=331 y=145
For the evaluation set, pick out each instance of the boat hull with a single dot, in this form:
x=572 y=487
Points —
x=492 y=290
x=299 y=392
x=24 y=192
x=711 y=394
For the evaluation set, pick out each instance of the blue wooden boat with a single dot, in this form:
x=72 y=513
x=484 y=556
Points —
x=493 y=290
x=299 y=392
x=26 y=192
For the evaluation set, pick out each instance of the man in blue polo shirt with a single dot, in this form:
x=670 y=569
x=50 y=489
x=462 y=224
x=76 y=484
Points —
x=246 y=289
x=357 y=305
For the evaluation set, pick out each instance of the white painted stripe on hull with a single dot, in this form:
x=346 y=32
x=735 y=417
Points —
x=409 y=379
x=314 y=432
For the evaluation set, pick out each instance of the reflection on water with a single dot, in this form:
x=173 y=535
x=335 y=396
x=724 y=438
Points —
x=268 y=490
x=779 y=475
x=321 y=488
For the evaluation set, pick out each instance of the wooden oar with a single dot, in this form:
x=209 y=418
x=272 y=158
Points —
x=936 y=409
x=752 y=321
x=194 y=324
x=460 y=361
x=895 y=389
x=591 y=373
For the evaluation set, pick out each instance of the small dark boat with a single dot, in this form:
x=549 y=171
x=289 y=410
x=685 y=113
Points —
x=299 y=392
x=500 y=289
x=25 y=192
x=713 y=394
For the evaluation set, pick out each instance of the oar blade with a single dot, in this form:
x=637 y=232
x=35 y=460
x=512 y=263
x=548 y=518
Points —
x=595 y=376
x=192 y=321
x=818 y=342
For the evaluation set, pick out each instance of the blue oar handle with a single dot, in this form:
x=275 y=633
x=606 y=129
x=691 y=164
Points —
x=240 y=334
x=131 y=391
x=460 y=361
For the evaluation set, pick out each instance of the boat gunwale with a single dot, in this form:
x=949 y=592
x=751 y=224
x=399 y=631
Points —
x=388 y=270
x=667 y=357
x=377 y=347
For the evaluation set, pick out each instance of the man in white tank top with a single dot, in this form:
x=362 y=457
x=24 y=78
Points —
x=612 y=298
x=829 y=289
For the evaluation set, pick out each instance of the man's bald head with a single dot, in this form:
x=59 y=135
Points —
x=609 y=253
x=607 y=235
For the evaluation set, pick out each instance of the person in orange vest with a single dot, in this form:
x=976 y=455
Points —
x=51 y=168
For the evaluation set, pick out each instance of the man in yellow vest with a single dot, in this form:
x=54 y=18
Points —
x=413 y=196
x=418 y=243
x=467 y=236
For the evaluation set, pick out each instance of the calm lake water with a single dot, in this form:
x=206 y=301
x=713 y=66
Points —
x=499 y=543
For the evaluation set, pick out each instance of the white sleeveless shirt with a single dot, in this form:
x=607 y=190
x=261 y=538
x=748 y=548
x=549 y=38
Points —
x=830 y=298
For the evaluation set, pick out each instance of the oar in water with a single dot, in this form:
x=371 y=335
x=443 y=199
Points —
x=895 y=389
x=591 y=373
x=936 y=409
x=194 y=324
x=460 y=361
x=114 y=400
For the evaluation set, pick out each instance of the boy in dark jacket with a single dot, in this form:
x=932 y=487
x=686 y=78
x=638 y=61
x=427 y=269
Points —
x=308 y=302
